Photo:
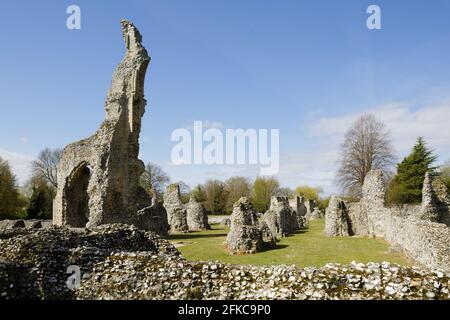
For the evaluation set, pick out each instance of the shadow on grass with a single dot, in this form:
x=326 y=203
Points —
x=301 y=231
x=193 y=235
x=275 y=247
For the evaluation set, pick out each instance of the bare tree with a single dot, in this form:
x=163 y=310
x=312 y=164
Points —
x=367 y=146
x=154 y=179
x=46 y=164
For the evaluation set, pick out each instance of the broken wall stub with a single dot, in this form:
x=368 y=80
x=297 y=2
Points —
x=196 y=216
x=98 y=177
x=429 y=201
x=337 y=221
x=245 y=235
x=281 y=219
x=442 y=204
x=298 y=205
x=176 y=211
x=153 y=218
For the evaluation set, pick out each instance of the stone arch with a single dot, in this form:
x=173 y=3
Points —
x=77 y=197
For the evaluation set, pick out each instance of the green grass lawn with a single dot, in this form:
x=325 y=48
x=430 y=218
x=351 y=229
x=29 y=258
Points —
x=305 y=248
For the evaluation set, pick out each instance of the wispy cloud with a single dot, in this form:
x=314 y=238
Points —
x=20 y=164
x=406 y=122
x=24 y=140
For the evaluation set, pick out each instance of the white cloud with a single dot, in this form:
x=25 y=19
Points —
x=20 y=164
x=24 y=140
x=405 y=122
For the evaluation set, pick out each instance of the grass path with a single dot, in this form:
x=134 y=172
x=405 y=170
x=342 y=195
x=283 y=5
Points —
x=305 y=248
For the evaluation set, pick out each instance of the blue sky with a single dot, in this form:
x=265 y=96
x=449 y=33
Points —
x=307 y=68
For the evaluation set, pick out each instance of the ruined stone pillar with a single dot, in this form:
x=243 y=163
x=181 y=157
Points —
x=429 y=201
x=245 y=235
x=176 y=212
x=337 y=222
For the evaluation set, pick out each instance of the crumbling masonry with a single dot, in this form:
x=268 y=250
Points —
x=98 y=177
x=421 y=231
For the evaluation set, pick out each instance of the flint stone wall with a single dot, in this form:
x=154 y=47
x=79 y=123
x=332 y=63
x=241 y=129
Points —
x=298 y=205
x=196 y=216
x=337 y=223
x=316 y=214
x=442 y=199
x=176 y=211
x=98 y=177
x=281 y=219
x=245 y=235
x=406 y=226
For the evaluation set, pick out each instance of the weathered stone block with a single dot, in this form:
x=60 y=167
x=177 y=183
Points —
x=245 y=235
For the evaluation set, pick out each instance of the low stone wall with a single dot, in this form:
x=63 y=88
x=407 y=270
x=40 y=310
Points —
x=21 y=223
x=426 y=242
x=410 y=227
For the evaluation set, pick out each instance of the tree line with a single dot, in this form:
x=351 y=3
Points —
x=34 y=200
x=367 y=146
x=218 y=196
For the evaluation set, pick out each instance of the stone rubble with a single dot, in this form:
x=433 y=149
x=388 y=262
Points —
x=34 y=262
x=122 y=262
x=125 y=276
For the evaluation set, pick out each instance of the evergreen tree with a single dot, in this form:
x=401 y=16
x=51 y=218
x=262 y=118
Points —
x=41 y=202
x=406 y=186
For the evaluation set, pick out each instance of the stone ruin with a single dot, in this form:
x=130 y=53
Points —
x=196 y=216
x=251 y=232
x=429 y=200
x=337 y=223
x=191 y=216
x=281 y=219
x=306 y=210
x=245 y=235
x=316 y=214
x=98 y=177
x=152 y=216
x=421 y=231
x=176 y=211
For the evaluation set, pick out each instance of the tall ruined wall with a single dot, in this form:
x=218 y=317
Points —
x=98 y=177
x=410 y=227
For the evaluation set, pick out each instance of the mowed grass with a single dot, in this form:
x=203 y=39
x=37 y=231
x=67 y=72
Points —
x=305 y=248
